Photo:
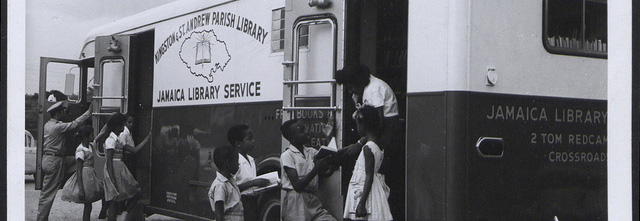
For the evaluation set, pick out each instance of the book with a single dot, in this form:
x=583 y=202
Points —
x=274 y=181
x=329 y=150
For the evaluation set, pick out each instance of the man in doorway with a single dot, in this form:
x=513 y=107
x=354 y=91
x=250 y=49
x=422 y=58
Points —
x=367 y=89
x=54 y=163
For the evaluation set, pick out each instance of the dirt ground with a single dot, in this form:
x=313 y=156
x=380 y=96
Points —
x=63 y=210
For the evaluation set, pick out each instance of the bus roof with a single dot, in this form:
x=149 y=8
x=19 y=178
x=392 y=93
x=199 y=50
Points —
x=146 y=19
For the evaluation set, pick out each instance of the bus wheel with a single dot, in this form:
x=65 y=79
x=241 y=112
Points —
x=271 y=210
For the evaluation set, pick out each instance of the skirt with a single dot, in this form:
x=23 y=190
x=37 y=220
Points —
x=93 y=190
x=377 y=203
x=125 y=186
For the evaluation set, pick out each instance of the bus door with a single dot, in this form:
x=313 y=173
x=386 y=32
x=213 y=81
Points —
x=312 y=55
x=68 y=77
x=110 y=86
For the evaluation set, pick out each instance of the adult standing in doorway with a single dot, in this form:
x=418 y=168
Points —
x=54 y=163
x=367 y=89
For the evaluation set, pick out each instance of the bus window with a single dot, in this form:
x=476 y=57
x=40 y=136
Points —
x=575 y=27
x=112 y=83
x=64 y=78
x=277 y=28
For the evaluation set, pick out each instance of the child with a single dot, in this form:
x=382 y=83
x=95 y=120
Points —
x=83 y=187
x=224 y=194
x=368 y=193
x=119 y=184
x=299 y=179
x=241 y=137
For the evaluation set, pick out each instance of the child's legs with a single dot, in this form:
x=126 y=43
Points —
x=112 y=211
x=86 y=214
x=103 y=210
x=314 y=206
x=293 y=207
x=131 y=203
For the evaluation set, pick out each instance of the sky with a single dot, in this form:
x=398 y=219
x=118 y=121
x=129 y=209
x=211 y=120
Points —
x=58 y=28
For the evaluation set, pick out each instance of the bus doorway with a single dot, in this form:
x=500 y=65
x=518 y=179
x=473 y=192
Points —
x=377 y=37
x=140 y=90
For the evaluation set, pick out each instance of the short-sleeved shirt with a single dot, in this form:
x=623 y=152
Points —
x=226 y=190
x=247 y=169
x=126 y=138
x=84 y=153
x=378 y=94
x=112 y=142
x=292 y=158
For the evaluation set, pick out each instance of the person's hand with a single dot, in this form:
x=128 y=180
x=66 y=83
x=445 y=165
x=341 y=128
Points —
x=322 y=164
x=327 y=130
x=363 y=140
x=361 y=210
x=148 y=135
x=260 y=182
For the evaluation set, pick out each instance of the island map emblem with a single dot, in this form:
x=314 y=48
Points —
x=204 y=54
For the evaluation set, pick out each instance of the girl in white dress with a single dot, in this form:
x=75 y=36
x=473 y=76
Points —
x=367 y=195
x=119 y=184
x=84 y=186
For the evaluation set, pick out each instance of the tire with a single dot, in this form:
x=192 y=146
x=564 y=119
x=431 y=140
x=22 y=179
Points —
x=270 y=210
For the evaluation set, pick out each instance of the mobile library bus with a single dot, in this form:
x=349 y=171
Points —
x=503 y=103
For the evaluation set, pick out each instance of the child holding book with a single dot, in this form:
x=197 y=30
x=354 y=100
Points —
x=241 y=137
x=299 y=178
x=367 y=195
x=224 y=194
x=83 y=186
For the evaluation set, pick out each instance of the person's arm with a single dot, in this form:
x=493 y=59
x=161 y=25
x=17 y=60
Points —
x=140 y=145
x=369 y=163
x=259 y=182
x=219 y=210
x=110 y=164
x=80 y=184
x=381 y=117
x=64 y=127
x=351 y=151
x=300 y=183
x=102 y=135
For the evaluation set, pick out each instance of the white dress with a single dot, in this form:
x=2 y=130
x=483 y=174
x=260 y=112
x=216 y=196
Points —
x=377 y=204
x=93 y=190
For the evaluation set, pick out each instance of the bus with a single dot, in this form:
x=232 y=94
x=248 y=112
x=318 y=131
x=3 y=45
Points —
x=502 y=104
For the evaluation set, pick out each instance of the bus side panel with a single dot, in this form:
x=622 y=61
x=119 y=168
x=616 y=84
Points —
x=436 y=165
x=426 y=157
x=182 y=154
x=553 y=162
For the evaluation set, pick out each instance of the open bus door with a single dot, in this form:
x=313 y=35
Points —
x=313 y=52
x=70 y=78
x=109 y=86
x=123 y=83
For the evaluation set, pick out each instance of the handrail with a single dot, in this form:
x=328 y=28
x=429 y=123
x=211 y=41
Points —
x=110 y=97
x=311 y=108
x=310 y=82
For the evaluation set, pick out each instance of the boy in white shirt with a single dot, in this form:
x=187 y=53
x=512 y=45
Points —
x=299 y=178
x=224 y=194
x=241 y=137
